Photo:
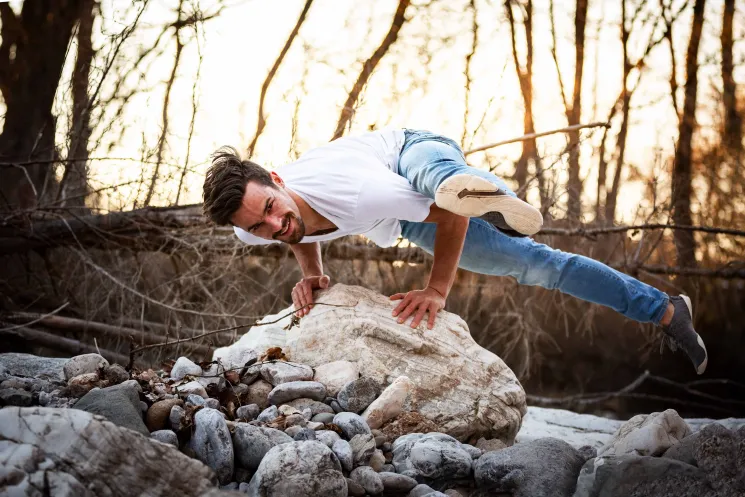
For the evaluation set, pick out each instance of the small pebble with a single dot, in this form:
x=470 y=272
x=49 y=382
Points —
x=269 y=414
x=212 y=403
x=248 y=413
x=305 y=434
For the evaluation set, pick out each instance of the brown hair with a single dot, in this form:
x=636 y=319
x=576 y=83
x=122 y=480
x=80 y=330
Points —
x=225 y=184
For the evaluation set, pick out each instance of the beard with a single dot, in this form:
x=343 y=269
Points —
x=297 y=234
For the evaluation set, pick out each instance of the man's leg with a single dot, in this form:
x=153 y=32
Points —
x=428 y=160
x=436 y=166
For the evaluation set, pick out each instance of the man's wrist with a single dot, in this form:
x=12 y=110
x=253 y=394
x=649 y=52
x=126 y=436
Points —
x=442 y=294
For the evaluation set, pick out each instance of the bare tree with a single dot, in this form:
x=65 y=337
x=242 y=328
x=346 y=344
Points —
x=525 y=77
x=467 y=70
x=369 y=66
x=681 y=179
x=573 y=110
x=732 y=135
x=261 y=122
x=74 y=183
x=33 y=50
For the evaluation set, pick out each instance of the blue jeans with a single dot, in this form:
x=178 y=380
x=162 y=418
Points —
x=428 y=159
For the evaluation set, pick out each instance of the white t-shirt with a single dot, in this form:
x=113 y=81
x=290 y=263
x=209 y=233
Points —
x=354 y=183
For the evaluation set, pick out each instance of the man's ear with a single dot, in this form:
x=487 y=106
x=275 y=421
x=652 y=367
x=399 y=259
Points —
x=277 y=180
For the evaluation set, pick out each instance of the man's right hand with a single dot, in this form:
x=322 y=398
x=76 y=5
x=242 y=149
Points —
x=302 y=293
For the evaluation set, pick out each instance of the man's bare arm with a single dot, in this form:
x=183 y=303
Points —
x=449 y=239
x=308 y=256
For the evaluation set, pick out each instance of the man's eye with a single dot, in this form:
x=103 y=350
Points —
x=254 y=228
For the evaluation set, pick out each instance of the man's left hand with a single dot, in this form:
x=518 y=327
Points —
x=419 y=302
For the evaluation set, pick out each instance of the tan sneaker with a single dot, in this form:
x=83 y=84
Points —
x=473 y=196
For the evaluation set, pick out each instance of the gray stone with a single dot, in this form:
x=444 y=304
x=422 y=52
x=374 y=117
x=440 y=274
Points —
x=647 y=435
x=185 y=367
x=368 y=479
x=351 y=424
x=233 y=485
x=115 y=373
x=642 y=476
x=307 y=413
x=401 y=449
x=71 y=453
x=335 y=406
x=328 y=437
x=83 y=364
x=305 y=434
x=258 y=393
x=315 y=426
x=31 y=366
x=119 y=404
x=251 y=443
x=15 y=397
x=314 y=469
x=315 y=406
x=546 y=467
x=377 y=461
x=268 y=414
x=292 y=390
x=437 y=455
x=243 y=487
x=248 y=413
x=165 y=436
x=421 y=490
x=212 y=403
x=363 y=448
x=177 y=418
x=280 y=372
x=296 y=420
x=395 y=483
x=356 y=395
x=343 y=452
x=192 y=388
x=475 y=452
x=293 y=430
x=195 y=400
x=354 y=489
x=324 y=417
x=211 y=442
x=388 y=468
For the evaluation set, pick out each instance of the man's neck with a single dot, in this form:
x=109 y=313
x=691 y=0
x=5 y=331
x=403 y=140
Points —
x=313 y=220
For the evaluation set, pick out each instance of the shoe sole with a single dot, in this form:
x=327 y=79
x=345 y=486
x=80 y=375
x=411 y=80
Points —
x=702 y=367
x=474 y=196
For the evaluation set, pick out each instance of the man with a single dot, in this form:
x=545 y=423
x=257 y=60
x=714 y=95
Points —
x=416 y=184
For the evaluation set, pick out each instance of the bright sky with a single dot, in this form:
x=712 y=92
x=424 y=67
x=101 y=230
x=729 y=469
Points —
x=419 y=83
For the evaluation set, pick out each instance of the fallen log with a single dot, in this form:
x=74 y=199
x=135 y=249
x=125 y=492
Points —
x=101 y=329
x=68 y=345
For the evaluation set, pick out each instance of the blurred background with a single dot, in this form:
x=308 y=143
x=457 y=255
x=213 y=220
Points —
x=110 y=110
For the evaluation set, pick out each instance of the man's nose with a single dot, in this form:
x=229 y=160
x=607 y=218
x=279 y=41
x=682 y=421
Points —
x=275 y=223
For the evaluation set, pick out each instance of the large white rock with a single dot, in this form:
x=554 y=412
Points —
x=463 y=388
x=647 y=435
x=575 y=429
x=585 y=429
x=255 y=341
x=71 y=452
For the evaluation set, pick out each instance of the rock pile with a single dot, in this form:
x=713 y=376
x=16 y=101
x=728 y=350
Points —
x=366 y=419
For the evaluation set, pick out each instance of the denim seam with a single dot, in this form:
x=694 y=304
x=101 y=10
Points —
x=659 y=314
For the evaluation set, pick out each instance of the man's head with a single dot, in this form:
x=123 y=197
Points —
x=243 y=194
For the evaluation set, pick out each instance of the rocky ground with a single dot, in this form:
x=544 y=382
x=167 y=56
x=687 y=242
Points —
x=365 y=420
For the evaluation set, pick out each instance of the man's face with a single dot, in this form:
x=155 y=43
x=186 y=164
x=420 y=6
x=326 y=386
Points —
x=269 y=213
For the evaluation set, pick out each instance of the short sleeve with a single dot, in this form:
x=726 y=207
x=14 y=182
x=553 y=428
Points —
x=250 y=239
x=390 y=196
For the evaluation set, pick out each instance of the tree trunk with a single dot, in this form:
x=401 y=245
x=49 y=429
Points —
x=369 y=66
x=574 y=114
x=28 y=81
x=732 y=138
x=74 y=184
x=525 y=77
x=261 y=123
x=681 y=179
x=612 y=196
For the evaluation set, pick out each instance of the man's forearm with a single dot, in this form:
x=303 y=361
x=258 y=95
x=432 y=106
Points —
x=308 y=255
x=449 y=239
